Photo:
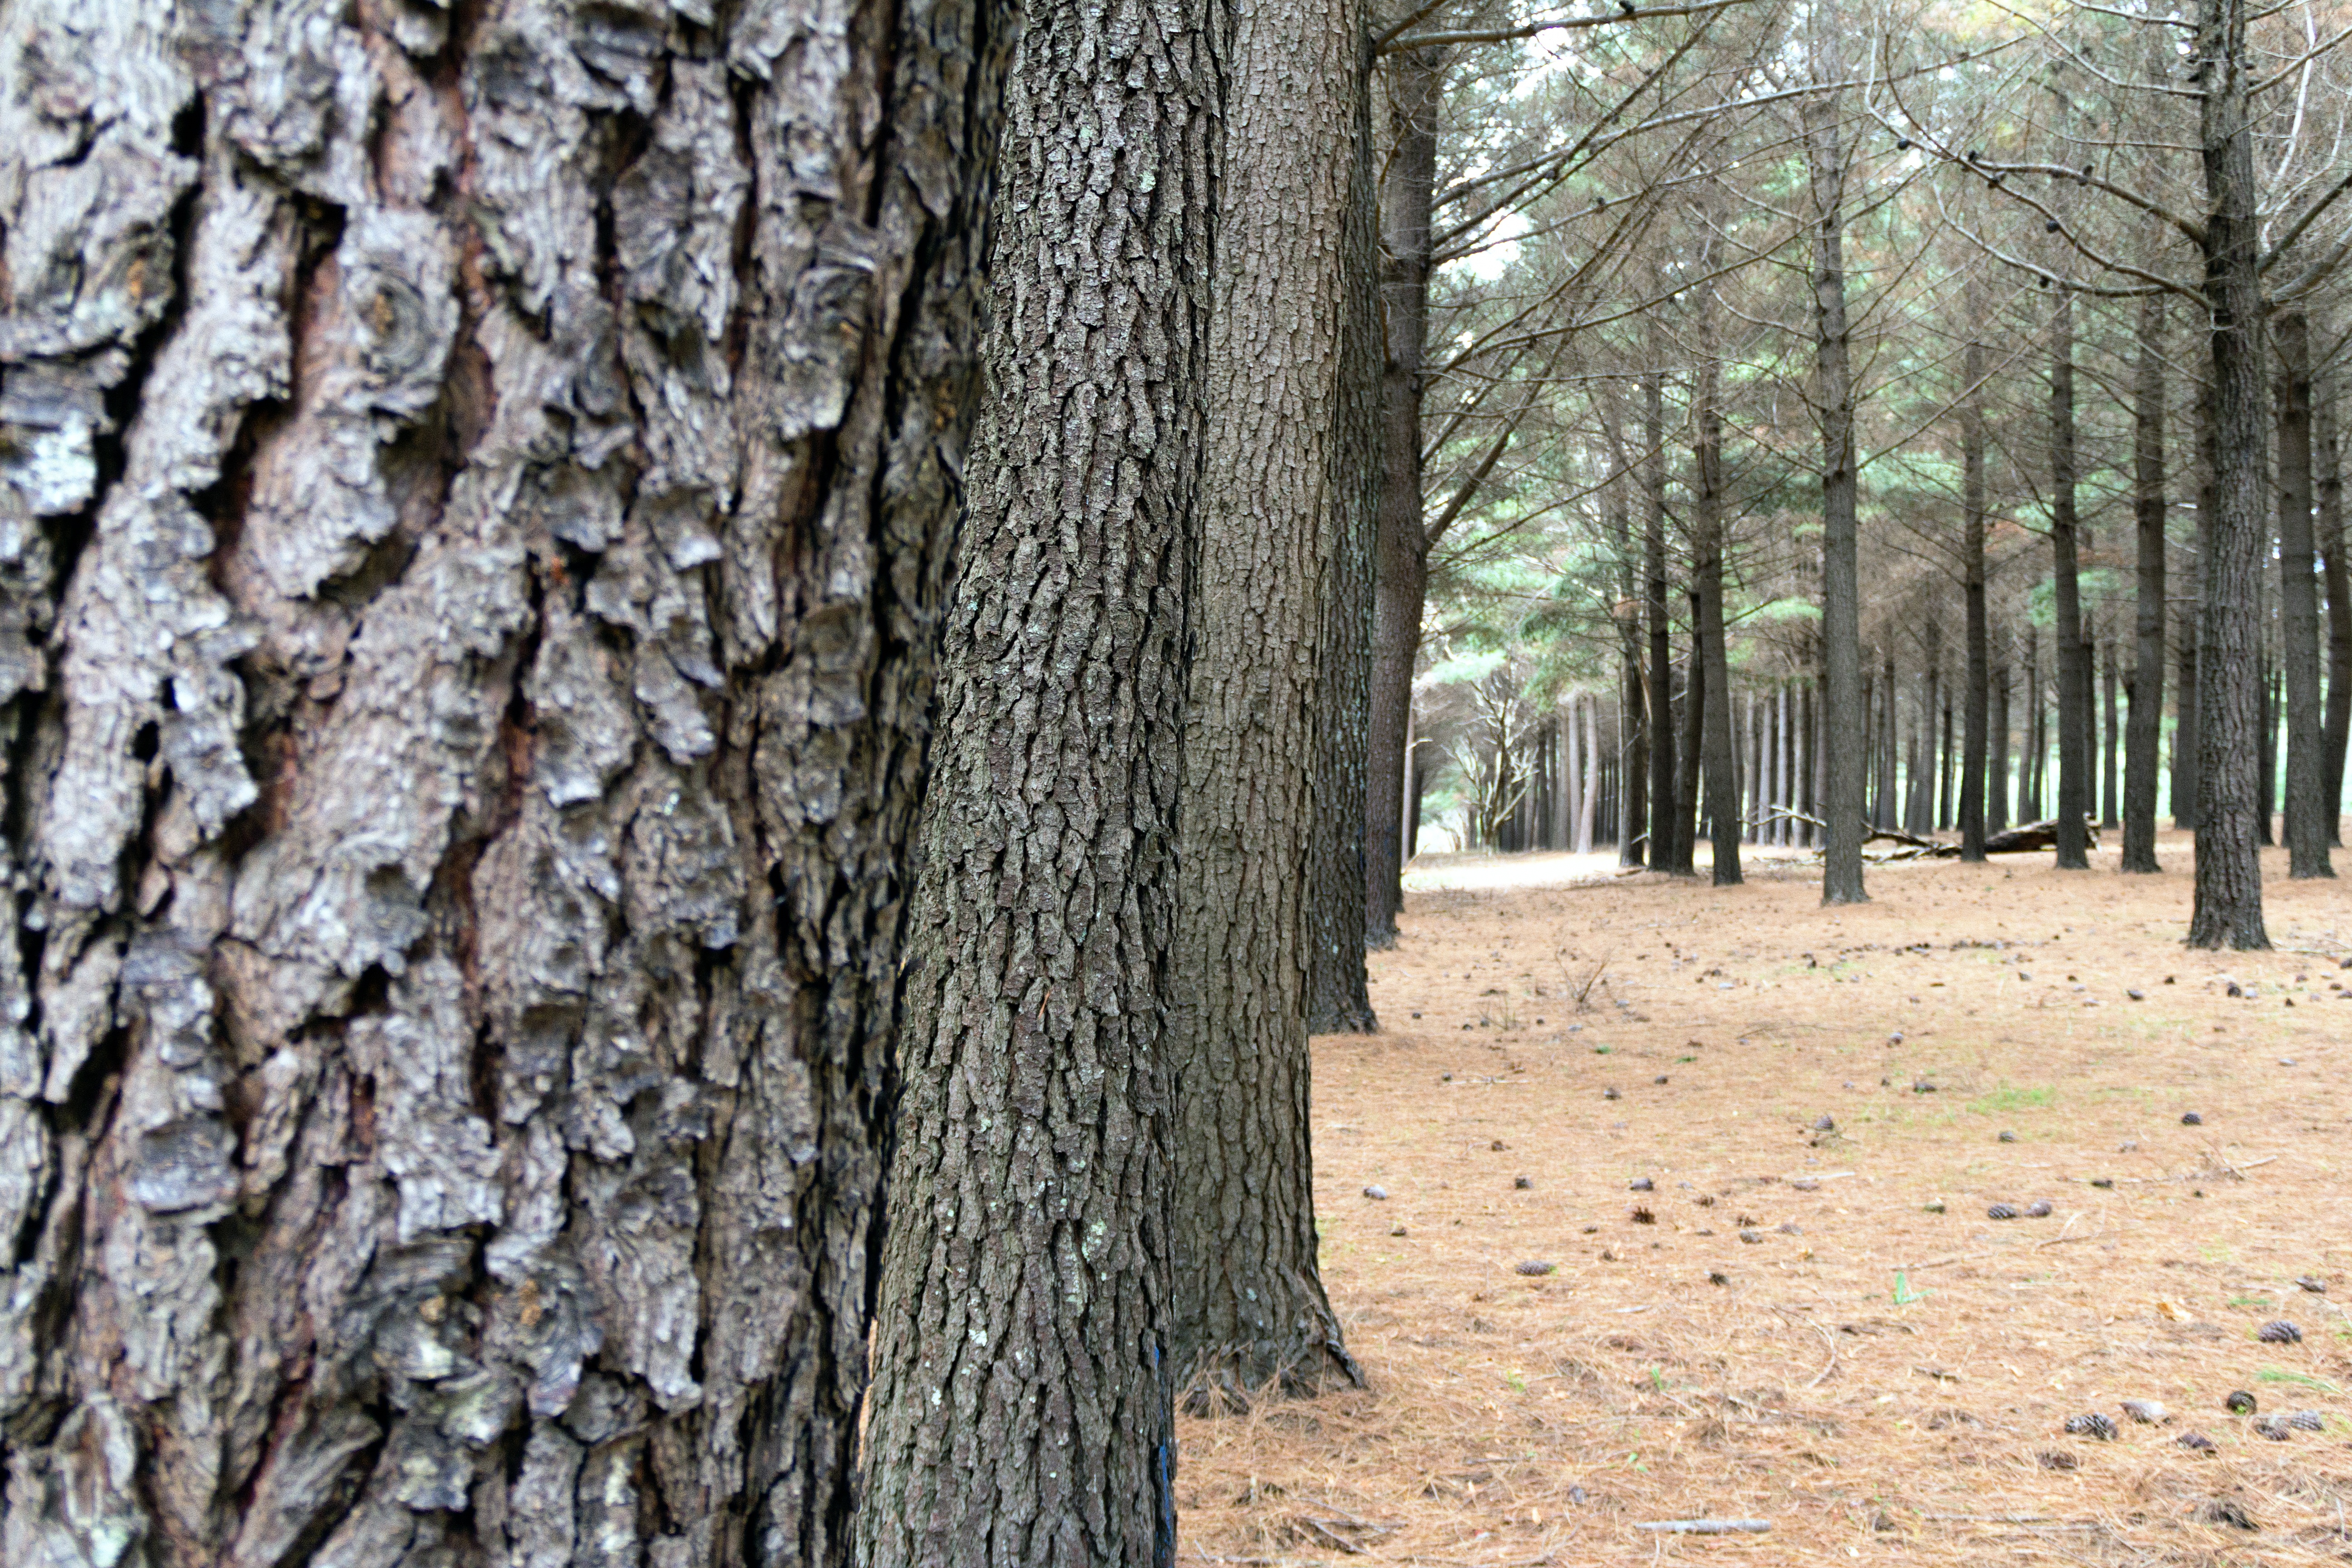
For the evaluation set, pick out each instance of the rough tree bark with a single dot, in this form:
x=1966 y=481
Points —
x=1022 y=1409
x=2187 y=755
x=1401 y=565
x=2228 y=910
x=2328 y=458
x=1973 y=585
x=2146 y=721
x=1995 y=816
x=1664 y=776
x=1251 y=1307
x=1683 y=848
x=1339 y=994
x=2074 y=720
x=1842 y=695
x=2310 y=815
x=476 y=496
x=1710 y=669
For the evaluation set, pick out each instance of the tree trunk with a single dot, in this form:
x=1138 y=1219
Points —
x=1664 y=776
x=2147 y=512
x=2310 y=815
x=1339 y=999
x=1995 y=816
x=1689 y=766
x=1972 y=585
x=2328 y=459
x=471 y=532
x=1630 y=804
x=1027 y=1284
x=1589 y=801
x=2110 y=735
x=1710 y=669
x=2188 y=751
x=1889 y=803
x=2074 y=719
x=1929 y=769
x=2037 y=743
x=2229 y=897
x=1841 y=880
x=2266 y=788
x=1249 y=1302
x=1400 y=567
x=471 y=557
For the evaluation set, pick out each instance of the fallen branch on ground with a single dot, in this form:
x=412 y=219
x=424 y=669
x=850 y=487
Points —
x=1708 y=1526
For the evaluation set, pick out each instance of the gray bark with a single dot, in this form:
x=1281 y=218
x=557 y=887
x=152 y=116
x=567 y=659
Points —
x=1339 y=995
x=2229 y=897
x=1021 y=1408
x=2075 y=724
x=1997 y=767
x=1251 y=1307
x=2310 y=815
x=1977 y=697
x=476 y=496
x=1665 y=775
x=1842 y=694
x=1400 y=565
x=2148 y=512
x=2327 y=457
x=1708 y=653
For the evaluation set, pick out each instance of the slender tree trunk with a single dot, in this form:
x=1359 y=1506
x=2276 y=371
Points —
x=1027 y=1288
x=1841 y=880
x=1995 y=816
x=1889 y=728
x=1972 y=587
x=1695 y=698
x=2148 y=513
x=2310 y=814
x=469 y=577
x=1339 y=999
x=2037 y=747
x=2266 y=788
x=1400 y=568
x=1710 y=668
x=1250 y=1304
x=1630 y=804
x=2075 y=722
x=1665 y=775
x=1784 y=778
x=2188 y=754
x=1930 y=772
x=2110 y=735
x=2328 y=459
x=1590 y=800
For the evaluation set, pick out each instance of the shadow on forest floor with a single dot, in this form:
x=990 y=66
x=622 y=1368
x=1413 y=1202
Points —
x=1820 y=1325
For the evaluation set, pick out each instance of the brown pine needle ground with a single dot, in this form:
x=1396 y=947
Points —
x=1798 y=1336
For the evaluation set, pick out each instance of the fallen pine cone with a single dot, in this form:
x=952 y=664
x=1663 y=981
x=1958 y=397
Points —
x=2038 y=1209
x=1641 y=1217
x=2240 y=1402
x=2091 y=1423
x=2312 y=1283
x=1376 y=1194
x=2000 y=1211
x=1640 y=1185
x=2226 y=1510
x=2196 y=1443
x=2279 y=1333
x=2274 y=1427
x=2147 y=1412
x=1535 y=1265
x=2307 y=1421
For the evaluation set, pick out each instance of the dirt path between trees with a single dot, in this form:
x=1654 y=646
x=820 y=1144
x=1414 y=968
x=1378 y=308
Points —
x=1817 y=1324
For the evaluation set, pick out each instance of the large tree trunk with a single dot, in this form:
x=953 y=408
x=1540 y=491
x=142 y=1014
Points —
x=2074 y=719
x=481 y=511
x=1027 y=1288
x=1251 y=1307
x=1973 y=585
x=1842 y=695
x=1339 y=997
x=2328 y=459
x=2229 y=898
x=1401 y=559
x=2147 y=511
x=2310 y=815
x=1665 y=775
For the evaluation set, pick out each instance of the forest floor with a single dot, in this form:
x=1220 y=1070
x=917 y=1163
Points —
x=1818 y=1325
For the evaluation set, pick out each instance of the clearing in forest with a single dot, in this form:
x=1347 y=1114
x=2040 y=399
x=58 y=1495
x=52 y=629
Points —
x=1808 y=1316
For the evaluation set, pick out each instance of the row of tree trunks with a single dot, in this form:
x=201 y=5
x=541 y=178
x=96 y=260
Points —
x=2310 y=815
x=497 y=474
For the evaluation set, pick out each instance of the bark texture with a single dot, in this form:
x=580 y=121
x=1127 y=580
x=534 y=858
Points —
x=1339 y=998
x=2075 y=725
x=475 y=498
x=2146 y=721
x=1665 y=776
x=2327 y=461
x=1977 y=697
x=1708 y=653
x=2228 y=910
x=1023 y=1402
x=2310 y=815
x=1844 y=758
x=1400 y=561
x=1251 y=1307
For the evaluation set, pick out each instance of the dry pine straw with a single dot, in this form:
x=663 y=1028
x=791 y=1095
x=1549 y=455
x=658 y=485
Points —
x=1522 y=1420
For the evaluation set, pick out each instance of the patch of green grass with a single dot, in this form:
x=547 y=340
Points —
x=1904 y=1294
x=1519 y=1384
x=2009 y=1099
x=2250 y=1300
x=2299 y=1379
